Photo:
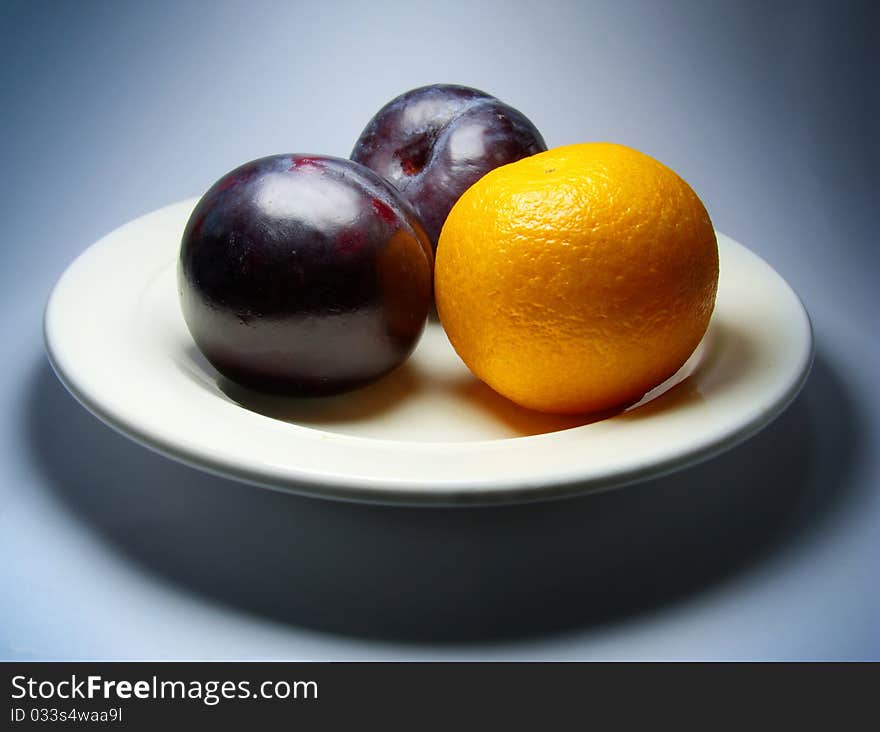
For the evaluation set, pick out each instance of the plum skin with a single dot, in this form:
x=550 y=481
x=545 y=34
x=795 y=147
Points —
x=305 y=275
x=435 y=142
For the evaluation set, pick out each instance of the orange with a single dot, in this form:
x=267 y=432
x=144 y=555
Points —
x=577 y=279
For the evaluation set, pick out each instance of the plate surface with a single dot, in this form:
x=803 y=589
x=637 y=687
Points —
x=427 y=433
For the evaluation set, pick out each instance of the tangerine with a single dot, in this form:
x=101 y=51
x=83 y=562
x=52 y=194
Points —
x=577 y=279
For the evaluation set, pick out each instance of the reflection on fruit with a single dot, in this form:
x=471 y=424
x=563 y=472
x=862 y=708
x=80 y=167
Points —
x=304 y=274
x=577 y=279
x=434 y=142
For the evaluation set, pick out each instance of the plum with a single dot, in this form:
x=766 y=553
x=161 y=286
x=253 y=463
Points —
x=435 y=142
x=304 y=274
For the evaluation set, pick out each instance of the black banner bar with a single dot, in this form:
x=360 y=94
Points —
x=418 y=695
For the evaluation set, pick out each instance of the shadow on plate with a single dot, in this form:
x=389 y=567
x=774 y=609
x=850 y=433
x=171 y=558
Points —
x=459 y=574
x=361 y=404
x=384 y=395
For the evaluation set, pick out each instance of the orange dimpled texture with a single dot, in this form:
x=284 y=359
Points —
x=577 y=279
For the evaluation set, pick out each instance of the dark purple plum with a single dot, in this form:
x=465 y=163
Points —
x=435 y=142
x=305 y=275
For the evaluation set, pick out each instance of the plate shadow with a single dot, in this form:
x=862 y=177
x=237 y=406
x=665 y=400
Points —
x=451 y=574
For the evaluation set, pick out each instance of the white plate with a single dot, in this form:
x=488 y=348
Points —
x=427 y=433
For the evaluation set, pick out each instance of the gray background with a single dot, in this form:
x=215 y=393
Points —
x=110 y=110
